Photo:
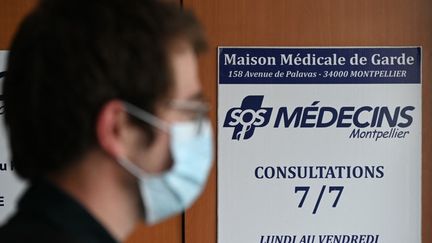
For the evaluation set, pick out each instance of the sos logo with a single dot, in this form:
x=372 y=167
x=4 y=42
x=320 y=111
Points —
x=247 y=117
x=2 y=74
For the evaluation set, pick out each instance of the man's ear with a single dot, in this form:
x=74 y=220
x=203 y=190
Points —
x=111 y=125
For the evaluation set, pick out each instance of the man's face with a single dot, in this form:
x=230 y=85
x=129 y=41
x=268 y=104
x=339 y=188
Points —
x=156 y=157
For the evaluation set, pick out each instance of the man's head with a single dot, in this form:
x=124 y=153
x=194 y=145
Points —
x=70 y=67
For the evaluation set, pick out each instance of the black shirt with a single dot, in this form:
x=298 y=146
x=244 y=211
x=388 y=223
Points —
x=47 y=214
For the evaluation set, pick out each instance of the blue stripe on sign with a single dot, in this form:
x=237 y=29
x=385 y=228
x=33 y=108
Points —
x=357 y=65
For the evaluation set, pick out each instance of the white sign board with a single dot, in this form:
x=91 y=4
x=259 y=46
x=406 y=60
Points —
x=10 y=186
x=319 y=145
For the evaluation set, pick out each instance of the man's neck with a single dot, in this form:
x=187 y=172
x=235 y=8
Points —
x=105 y=190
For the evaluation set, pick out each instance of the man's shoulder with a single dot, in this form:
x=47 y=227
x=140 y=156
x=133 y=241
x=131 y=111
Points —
x=31 y=228
x=47 y=214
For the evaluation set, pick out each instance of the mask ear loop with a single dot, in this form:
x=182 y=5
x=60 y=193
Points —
x=152 y=120
x=132 y=168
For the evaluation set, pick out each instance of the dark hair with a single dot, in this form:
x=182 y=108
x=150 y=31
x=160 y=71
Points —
x=70 y=57
x=2 y=74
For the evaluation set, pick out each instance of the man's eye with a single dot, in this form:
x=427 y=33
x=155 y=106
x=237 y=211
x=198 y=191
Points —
x=190 y=115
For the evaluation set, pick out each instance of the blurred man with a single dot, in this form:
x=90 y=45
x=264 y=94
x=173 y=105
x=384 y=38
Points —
x=105 y=117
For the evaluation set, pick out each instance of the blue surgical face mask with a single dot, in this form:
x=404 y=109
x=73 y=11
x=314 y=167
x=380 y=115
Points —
x=172 y=192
